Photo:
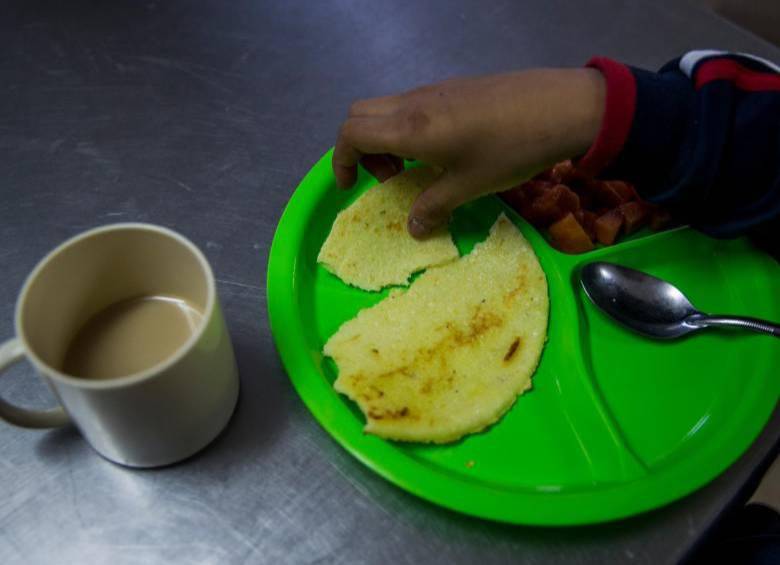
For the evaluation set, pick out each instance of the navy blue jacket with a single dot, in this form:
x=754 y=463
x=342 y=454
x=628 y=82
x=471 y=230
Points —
x=700 y=137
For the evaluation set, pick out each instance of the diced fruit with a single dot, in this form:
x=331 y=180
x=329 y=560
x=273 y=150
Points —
x=624 y=189
x=552 y=205
x=567 y=173
x=634 y=216
x=659 y=218
x=580 y=210
x=568 y=236
x=561 y=172
x=533 y=189
x=589 y=223
x=602 y=194
x=586 y=197
x=607 y=226
x=587 y=220
x=524 y=194
x=611 y=193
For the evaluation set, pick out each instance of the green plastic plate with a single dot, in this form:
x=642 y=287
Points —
x=616 y=424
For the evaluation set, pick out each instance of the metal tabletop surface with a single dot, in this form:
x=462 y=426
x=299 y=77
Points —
x=203 y=116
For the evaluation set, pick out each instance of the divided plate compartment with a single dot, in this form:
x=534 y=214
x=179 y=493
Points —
x=615 y=424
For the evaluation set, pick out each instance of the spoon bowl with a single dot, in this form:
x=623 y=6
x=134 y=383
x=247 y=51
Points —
x=651 y=306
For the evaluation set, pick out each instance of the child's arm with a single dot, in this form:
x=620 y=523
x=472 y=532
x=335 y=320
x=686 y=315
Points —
x=487 y=133
x=702 y=136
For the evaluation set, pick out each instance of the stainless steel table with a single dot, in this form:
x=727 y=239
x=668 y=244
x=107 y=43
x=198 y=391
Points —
x=203 y=116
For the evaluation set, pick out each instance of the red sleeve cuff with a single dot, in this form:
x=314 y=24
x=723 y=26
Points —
x=743 y=78
x=618 y=116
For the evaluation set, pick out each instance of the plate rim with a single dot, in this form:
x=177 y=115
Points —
x=611 y=501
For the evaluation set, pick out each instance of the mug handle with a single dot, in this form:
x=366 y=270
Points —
x=11 y=352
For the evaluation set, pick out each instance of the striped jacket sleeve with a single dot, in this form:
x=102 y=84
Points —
x=701 y=137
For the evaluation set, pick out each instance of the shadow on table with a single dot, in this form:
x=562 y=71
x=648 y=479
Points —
x=60 y=443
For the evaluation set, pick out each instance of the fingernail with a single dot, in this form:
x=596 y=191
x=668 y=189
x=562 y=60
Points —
x=418 y=228
x=345 y=182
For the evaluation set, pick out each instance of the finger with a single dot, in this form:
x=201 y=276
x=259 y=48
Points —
x=377 y=134
x=380 y=106
x=359 y=137
x=344 y=163
x=382 y=166
x=434 y=205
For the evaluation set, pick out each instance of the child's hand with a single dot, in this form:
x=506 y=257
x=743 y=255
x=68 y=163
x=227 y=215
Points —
x=488 y=134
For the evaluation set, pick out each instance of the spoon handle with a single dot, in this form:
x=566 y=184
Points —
x=753 y=324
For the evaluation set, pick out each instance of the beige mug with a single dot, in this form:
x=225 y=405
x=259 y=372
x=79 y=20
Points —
x=154 y=416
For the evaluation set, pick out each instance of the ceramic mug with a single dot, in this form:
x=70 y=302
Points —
x=153 y=417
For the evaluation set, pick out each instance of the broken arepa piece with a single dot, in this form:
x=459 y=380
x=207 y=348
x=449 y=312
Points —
x=369 y=246
x=449 y=356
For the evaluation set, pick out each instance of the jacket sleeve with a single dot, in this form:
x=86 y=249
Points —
x=700 y=137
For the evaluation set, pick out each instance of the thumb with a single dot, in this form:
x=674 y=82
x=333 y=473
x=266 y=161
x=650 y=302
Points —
x=434 y=205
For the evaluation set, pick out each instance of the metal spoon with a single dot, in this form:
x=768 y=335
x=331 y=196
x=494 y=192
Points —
x=654 y=307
